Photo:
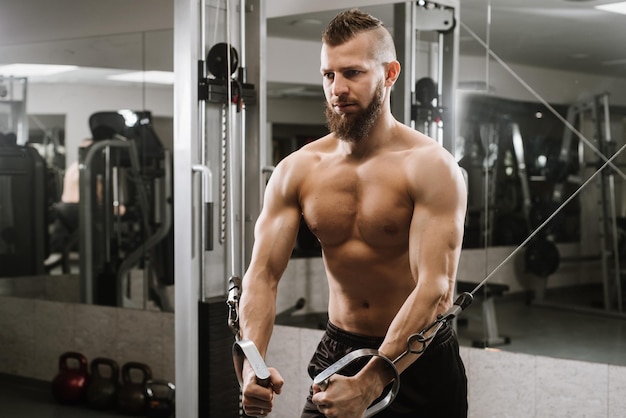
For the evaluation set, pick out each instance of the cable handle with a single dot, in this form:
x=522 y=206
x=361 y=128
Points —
x=243 y=349
x=323 y=379
x=246 y=349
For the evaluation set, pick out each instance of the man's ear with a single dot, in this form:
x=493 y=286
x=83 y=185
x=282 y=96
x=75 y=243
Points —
x=392 y=73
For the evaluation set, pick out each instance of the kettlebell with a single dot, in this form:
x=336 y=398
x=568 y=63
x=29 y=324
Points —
x=69 y=385
x=160 y=395
x=102 y=389
x=131 y=398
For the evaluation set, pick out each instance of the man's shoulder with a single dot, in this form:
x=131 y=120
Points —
x=309 y=152
x=424 y=147
x=296 y=164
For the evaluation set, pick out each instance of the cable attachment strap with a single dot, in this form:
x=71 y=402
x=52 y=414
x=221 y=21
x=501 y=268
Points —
x=417 y=343
x=234 y=293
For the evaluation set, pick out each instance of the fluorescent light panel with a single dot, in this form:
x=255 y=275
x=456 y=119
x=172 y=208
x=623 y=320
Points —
x=613 y=7
x=156 y=77
x=33 y=70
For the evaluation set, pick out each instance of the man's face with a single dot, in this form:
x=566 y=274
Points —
x=356 y=125
x=354 y=86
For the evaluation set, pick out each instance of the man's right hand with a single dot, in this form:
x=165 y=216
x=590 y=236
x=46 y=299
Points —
x=259 y=400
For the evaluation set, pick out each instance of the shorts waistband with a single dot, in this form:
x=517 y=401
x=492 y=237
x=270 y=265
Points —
x=365 y=341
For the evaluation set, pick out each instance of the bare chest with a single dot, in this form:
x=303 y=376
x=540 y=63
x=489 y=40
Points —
x=371 y=206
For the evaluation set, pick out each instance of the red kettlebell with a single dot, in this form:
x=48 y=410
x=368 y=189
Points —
x=131 y=398
x=160 y=398
x=102 y=389
x=69 y=385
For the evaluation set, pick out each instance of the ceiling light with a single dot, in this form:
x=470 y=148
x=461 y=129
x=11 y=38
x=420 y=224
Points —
x=619 y=61
x=32 y=70
x=306 y=22
x=613 y=7
x=155 y=77
x=130 y=117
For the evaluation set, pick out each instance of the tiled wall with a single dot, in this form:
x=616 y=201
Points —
x=34 y=333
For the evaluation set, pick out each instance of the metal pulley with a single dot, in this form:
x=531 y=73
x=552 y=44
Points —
x=217 y=61
x=542 y=257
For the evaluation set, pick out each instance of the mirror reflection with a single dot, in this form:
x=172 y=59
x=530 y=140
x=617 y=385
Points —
x=86 y=177
x=528 y=72
x=539 y=111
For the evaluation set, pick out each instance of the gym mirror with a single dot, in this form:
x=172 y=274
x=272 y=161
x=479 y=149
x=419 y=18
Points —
x=540 y=107
x=97 y=111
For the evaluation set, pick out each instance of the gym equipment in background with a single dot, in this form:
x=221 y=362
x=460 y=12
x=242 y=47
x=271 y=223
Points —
x=70 y=384
x=126 y=211
x=102 y=389
x=160 y=398
x=131 y=396
x=23 y=210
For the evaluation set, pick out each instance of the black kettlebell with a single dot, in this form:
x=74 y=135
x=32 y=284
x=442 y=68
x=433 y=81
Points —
x=102 y=389
x=131 y=398
x=69 y=385
x=160 y=396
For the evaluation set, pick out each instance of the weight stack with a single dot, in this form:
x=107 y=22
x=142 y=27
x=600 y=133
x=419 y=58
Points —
x=219 y=393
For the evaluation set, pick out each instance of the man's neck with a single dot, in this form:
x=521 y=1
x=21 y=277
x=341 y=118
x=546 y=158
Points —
x=380 y=134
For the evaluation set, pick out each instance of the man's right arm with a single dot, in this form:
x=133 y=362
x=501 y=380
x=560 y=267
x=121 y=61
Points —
x=275 y=235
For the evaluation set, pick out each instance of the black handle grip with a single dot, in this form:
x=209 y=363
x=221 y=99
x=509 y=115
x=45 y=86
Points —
x=208 y=222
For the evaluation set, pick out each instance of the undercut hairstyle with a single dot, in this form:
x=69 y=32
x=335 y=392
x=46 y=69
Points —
x=350 y=23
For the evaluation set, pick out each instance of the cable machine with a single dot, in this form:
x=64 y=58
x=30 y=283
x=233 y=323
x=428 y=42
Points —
x=609 y=231
x=219 y=132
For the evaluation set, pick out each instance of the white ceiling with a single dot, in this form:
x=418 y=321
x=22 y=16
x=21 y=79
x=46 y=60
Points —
x=561 y=34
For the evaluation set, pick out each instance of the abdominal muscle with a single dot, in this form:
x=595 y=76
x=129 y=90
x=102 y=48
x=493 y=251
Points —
x=366 y=289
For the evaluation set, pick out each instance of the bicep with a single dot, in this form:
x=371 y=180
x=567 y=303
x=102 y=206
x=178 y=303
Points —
x=436 y=232
x=276 y=229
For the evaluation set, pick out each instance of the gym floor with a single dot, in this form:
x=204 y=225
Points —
x=533 y=329
x=22 y=398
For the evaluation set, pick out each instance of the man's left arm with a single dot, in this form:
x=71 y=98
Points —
x=435 y=239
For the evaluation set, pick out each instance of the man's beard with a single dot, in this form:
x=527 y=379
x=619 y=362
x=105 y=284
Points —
x=354 y=127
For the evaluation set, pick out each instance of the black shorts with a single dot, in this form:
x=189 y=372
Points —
x=434 y=386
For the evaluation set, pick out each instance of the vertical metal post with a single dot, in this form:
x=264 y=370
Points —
x=242 y=137
x=404 y=35
x=186 y=122
x=617 y=290
x=255 y=136
x=449 y=81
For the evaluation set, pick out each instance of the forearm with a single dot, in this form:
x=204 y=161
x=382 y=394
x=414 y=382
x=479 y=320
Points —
x=257 y=310
x=419 y=310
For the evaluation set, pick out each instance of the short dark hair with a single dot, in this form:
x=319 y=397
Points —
x=352 y=22
x=347 y=24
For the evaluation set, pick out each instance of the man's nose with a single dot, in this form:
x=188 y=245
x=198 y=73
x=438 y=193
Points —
x=340 y=86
